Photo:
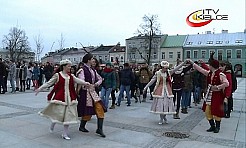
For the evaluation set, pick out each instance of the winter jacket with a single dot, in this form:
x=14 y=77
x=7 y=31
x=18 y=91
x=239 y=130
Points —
x=109 y=78
x=126 y=76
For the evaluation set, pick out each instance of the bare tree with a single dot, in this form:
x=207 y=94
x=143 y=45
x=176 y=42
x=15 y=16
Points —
x=84 y=48
x=61 y=42
x=16 y=42
x=150 y=28
x=39 y=46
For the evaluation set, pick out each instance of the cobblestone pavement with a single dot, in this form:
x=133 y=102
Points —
x=183 y=126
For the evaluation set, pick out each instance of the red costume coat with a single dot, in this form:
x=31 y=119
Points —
x=217 y=100
x=58 y=92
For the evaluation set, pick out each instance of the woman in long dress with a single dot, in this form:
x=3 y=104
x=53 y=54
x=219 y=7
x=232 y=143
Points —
x=62 y=107
x=162 y=93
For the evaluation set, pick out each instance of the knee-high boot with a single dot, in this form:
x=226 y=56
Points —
x=82 y=126
x=100 y=127
x=212 y=125
x=217 y=127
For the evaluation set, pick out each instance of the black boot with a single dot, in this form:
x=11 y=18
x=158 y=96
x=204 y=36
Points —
x=212 y=125
x=99 y=127
x=217 y=128
x=82 y=126
x=227 y=114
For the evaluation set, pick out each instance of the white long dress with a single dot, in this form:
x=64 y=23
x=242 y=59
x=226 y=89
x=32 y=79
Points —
x=58 y=111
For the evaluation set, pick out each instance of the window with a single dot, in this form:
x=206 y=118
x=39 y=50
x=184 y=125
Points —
x=106 y=58
x=210 y=52
x=163 y=55
x=178 y=55
x=209 y=42
x=147 y=55
x=74 y=59
x=100 y=57
x=195 y=54
x=239 y=41
x=189 y=43
x=170 y=55
x=133 y=55
x=219 y=42
x=199 y=43
x=130 y=45
x=239 y=53
x=228 y=54
x=227 y=42
x=155 y=55
x=203 y=54
x=111 y=59
x=220 y=54
x=121 y=58
x=187 y=54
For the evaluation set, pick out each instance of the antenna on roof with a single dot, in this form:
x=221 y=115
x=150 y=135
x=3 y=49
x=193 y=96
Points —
x=213 y=30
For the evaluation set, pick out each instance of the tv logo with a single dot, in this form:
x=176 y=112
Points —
x=203 y=17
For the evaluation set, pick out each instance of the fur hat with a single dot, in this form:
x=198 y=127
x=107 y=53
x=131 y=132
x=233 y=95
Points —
x=64 y=62
x=212 y=62
x=164 y=64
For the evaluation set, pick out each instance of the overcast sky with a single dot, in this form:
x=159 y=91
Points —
x=95 y=22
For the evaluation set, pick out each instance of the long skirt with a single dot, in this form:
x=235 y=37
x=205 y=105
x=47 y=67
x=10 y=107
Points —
x=163 y=105
x=63 y=114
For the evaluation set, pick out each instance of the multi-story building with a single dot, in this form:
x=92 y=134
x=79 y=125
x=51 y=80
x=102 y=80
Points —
x=117 y=54
x=102 y=53
x=75 y=55
x=137 y=49
x=227 y=46
x=172 y=49
x=26 y=56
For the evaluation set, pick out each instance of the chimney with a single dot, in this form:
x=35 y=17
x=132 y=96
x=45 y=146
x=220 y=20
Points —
x=224 y=31
x=207 y=32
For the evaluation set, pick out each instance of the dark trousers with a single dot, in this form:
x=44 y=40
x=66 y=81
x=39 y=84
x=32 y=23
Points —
x=177 y=97
x=230 y=104
x=22 y=85
x=113 y=96
x=141 y=87
x=28 y=83
x=133 y=89
x=2 y=84
x=5 y=79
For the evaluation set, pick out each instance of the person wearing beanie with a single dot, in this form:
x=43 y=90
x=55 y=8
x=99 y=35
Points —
x=62 y=99
x=162 y=94
x=213 y=105
x=108 y=84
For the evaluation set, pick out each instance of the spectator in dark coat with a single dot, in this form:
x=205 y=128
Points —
x=126 y=77
x=2 y=75
x=48 y=71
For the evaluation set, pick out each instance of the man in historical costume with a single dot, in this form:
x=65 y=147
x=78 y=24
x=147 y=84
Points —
x=214 y=99
x=89 y=103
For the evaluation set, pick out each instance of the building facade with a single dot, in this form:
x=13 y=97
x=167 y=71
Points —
x=137 y=49
x=75 y=55
x=24 y=56
x=172 y=49
x=117 y=54
x=227 y=46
